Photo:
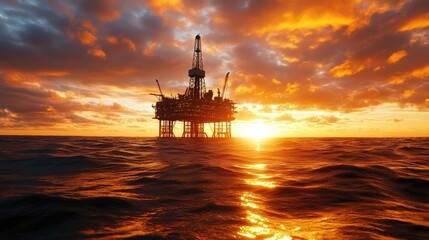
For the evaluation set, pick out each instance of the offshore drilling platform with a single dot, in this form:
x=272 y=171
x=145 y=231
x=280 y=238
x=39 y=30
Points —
x=196 y=106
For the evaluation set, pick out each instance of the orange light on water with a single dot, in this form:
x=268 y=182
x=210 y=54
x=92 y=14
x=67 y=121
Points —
x=263 y=183
x=260 y=166
x=262 y=225
x=259 y=226
x=247 y=200
x=261 y=179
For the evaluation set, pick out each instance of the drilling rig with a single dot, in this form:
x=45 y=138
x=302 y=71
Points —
x=196 y=107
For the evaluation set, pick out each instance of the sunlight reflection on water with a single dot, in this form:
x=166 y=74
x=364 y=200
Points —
x=259 y=225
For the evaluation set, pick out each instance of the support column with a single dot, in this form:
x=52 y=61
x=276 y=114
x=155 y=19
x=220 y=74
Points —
x=193 y=130
x=166 y=128
x=222 y=130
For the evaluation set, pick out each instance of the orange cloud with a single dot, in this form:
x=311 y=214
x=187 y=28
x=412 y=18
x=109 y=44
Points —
x=131 y=44
x=395 y=57
x=85 y=37
x=416 y=23
x=96 y=51
x=112 y=39
x=83 y=30
x=163 y=5
x=407 y=93
x=292 y=88
x=323 y=120
x=105 y=10
x=279 y=16
x=419 y=73
x=86 y=24
x=52 y=73
x=150 y=49
x=345 y=69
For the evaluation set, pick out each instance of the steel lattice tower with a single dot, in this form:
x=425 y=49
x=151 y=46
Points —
x=197 y=89
x=197 y=85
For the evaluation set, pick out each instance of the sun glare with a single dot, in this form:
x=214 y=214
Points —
x=257 y=130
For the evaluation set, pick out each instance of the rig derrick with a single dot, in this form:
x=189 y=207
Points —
x=196 y=107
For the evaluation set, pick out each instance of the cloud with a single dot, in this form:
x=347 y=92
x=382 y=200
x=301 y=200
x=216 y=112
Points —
x=335 y=68
x=246 y=113
x=96 y=51
x=105 y=10
x=285 y=117
x=131 y=45
x=85 y=37
x=24 y=104
x=396 y=56
x=322 y=120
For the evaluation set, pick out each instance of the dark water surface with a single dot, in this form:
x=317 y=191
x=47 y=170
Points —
x=143 y=188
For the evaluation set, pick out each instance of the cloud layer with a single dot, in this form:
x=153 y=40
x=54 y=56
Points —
x=93 y=63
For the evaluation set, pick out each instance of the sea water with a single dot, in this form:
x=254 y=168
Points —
x=148 y=188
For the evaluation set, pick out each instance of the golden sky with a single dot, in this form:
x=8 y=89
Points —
x=299 y=68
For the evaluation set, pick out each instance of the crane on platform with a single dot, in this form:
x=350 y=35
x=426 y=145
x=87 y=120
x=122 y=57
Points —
x=160 y=91
x=159 y=87
x=224 y=85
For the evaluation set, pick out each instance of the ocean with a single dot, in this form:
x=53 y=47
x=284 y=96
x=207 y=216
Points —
x=149 y=188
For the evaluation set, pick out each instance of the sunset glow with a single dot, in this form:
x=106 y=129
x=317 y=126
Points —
x=298 y=68
x=257 y=130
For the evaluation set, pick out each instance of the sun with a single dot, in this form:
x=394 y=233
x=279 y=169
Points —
x=257 y=130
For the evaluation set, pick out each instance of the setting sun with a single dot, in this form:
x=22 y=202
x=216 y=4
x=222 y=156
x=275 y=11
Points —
x=257 y=130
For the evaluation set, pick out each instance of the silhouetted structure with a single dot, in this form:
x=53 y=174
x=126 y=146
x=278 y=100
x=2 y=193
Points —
x=196 y=106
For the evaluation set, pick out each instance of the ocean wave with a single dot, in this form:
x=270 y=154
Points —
x=57 y=217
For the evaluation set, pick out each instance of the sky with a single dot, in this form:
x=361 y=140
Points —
x=299 y=68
